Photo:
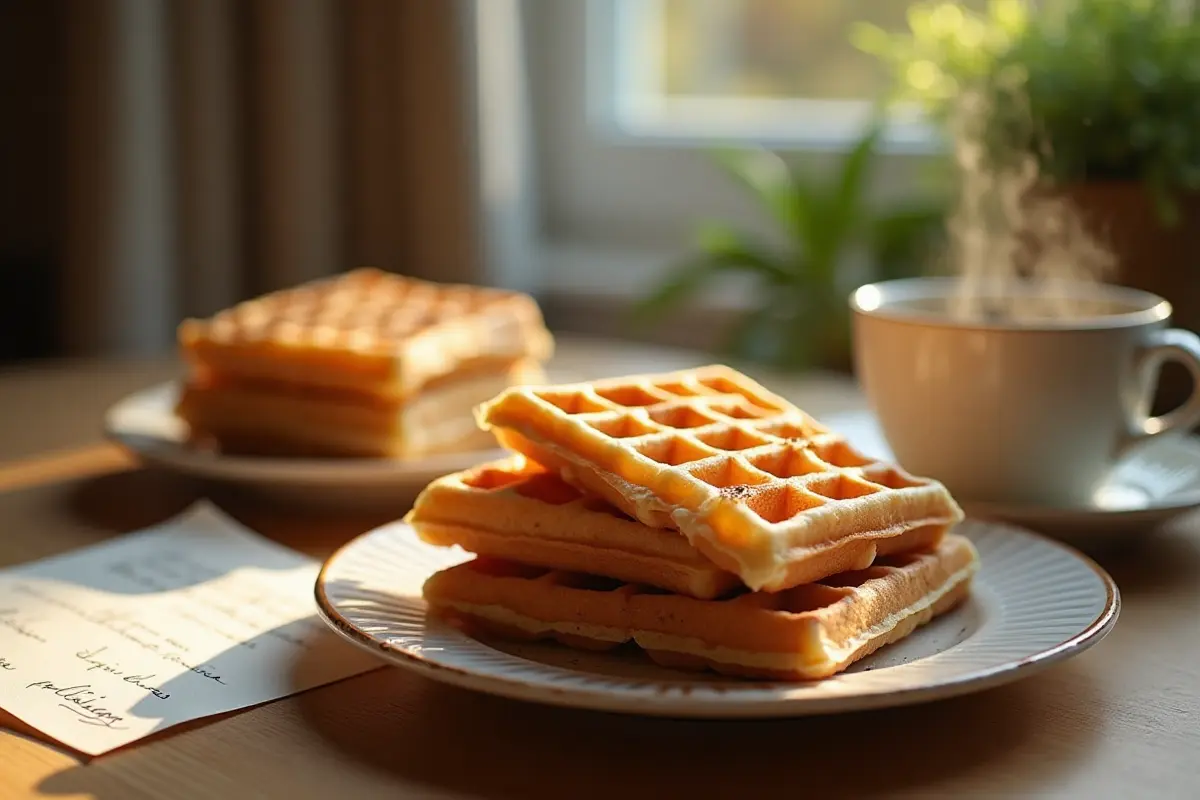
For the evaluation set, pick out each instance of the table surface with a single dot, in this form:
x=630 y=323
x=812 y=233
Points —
x=1118 y=721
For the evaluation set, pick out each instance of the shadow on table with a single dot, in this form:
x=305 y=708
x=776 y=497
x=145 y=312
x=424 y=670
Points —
x=438 y=736
x=102 y=511
x=66 y=515
x=127 y=501
x=120 y=502
x=1164 y=563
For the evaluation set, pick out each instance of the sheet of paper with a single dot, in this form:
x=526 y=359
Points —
x=198 y=616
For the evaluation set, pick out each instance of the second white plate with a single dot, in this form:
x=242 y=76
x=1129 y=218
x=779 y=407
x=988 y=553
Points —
x=145 y=423
x=1034 y=602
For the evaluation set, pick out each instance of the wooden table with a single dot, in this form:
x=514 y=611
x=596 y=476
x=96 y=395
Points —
x=1122 y=720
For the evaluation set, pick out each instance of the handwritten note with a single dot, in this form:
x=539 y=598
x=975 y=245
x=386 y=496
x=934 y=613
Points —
x=198 y=616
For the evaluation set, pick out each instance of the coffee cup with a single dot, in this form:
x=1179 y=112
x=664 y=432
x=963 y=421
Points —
x=1017 y=394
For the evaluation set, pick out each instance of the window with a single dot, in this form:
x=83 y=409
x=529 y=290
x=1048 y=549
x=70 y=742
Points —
x=595 y=187
x=779 y=71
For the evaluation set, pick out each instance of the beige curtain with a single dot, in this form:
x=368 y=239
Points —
x=222 y=148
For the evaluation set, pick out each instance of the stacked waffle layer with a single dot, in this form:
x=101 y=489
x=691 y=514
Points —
x=363 y=364
x=698 y=516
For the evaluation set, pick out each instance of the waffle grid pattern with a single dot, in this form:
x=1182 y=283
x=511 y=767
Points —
x=711 y=441
x=372 y=312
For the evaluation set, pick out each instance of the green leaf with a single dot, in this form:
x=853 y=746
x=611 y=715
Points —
x=918 y=21
x=1165 y=205
x=765 y=334
x=754 y=336
x=804 y=331
x=842 y=210
x=682 y=281
x=899 y=241
x=857 y=165
x=717 y=238
x=730 y=250
x=767 y=177
x=1009 y=16
x=811 y=203
x=871 y=39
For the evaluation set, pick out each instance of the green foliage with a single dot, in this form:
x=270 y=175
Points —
x=802 y=317
x=1094 y=90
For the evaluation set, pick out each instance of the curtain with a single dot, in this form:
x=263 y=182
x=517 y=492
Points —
x=217 y=149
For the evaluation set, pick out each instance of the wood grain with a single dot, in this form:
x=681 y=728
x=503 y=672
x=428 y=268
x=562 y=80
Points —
x=64 y=465
x=1119 y=721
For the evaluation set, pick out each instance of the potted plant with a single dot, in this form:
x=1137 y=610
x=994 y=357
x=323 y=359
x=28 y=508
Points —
x=1101 y=96
x=833 y=240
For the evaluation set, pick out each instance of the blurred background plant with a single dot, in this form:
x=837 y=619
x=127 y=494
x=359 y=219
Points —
x=834 y=239
x=1095 y=90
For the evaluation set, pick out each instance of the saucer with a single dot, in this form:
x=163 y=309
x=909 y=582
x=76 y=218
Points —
x=1034 y=602
x=146 y=424
x=1154 y=482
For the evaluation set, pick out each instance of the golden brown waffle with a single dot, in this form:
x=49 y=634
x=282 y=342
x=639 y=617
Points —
x=811 y=631
x=369 y=331
x=516 y=510
x=265 y=418
x=519 y=511
x=757 y=485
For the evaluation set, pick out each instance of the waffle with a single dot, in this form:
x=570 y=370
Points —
x=517 y=510
x=808 y=632
x=761 y=488
x=368 y=331
x=278 y=419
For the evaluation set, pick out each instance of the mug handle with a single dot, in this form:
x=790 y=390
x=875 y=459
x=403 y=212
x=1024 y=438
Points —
x=1163 y=345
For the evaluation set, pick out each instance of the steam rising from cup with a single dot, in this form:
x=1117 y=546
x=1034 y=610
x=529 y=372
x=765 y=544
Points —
x=1007 y=232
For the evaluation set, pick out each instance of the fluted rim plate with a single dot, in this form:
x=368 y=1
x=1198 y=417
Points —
x=1033 y=603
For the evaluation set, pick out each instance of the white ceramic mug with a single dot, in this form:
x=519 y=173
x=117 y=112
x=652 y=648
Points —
x=1033 y=411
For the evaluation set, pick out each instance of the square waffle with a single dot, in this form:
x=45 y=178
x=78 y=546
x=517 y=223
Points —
x=761 y=488
x=368 y=331
x=519 y=511
x=808 y=632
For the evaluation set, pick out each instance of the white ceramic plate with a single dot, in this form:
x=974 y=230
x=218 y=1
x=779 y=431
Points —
x=1153 y=483
x=1034 y=602
x=145 y=422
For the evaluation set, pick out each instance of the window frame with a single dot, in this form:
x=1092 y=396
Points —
x=624 y=102
x=576 y=202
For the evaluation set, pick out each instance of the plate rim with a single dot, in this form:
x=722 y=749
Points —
x=328 y=472
x=679 y=702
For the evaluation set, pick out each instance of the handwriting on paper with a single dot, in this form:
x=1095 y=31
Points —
x=103 y=646
x=81 y=699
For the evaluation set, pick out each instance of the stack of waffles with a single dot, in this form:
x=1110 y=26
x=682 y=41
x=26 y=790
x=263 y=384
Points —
x=364 y=364
x=696 y=515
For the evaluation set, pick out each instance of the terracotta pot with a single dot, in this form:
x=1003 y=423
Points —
x=1150 y=256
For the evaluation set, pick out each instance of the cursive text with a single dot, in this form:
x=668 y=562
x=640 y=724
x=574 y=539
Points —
x=7 y=620
x=130 y=630
x=95 y=662
x=83 y=701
